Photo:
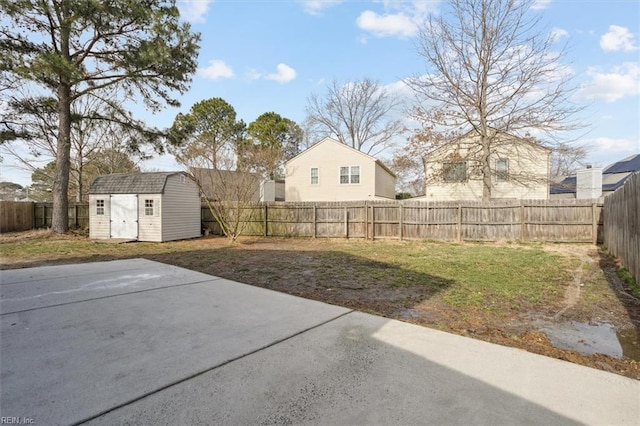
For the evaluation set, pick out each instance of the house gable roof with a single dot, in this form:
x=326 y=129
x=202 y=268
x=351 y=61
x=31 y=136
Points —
x=464 y=139
x=131 y=183
x=328 y=140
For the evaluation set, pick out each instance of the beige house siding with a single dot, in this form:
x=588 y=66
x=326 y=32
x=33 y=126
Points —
x=528 y=173
x=385 y=187
x=100 y=224
x=328 y=156
x=180 y=209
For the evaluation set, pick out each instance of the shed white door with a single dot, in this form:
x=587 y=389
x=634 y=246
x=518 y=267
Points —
x=124 y=216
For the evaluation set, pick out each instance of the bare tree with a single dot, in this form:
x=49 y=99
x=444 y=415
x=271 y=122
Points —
x=409 y=161
x=228 y=191
x=491 y=72
x=359 y=114
x=566 y=159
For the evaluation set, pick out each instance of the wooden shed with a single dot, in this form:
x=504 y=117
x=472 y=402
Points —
x=161 y=206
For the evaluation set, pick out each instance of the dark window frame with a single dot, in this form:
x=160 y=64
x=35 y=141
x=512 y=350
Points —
x=502 y=175
x=100 y=207
x=454 y=171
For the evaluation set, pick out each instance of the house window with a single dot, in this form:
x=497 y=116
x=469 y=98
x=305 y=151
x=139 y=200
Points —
x=314 y=176
x=344 y=174
x=355 y=174
x=99 y=207
x=502 y=169
x=350 y=174
x=455 y=172
x=148 y=207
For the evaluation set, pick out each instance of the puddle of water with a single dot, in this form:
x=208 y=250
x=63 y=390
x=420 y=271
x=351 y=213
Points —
x=630 y=342
x=590 y=339
x=409 y=313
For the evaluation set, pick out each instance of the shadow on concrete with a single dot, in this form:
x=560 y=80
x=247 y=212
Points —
x=344 y=372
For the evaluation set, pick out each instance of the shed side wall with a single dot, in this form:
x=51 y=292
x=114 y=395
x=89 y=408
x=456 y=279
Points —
x=180 y=209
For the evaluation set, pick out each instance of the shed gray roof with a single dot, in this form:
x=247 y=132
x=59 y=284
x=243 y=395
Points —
x=131 y=183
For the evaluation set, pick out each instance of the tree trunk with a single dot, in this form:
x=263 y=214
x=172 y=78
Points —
x=486 y=169
x=60 y=213
x=79 y=183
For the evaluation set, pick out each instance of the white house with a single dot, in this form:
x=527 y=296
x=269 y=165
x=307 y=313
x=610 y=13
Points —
x=157 y=207
x=333 y=171
x=519 y=170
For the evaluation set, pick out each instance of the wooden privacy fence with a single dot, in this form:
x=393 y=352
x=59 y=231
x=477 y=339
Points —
x=25 y=215
x=622 y=224
x=16 y=216
x=78 y=215
x=527 y=220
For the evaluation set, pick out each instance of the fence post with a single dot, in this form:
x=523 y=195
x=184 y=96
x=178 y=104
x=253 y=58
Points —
x=373 y=223
x=266 y=221
x=523 y=225
x=366 y=221
x=315 y=218
x=459 y=223
x=346 y=223
x=401 y=222
x=594 y=224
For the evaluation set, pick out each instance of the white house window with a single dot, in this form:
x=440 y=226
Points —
x=349 y=174
x=314 y=176
x=455 y=172
x=355 y=174
x=148 y=207
x=99 y=207
x=502 y=169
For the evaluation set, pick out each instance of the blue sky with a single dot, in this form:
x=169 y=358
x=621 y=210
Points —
x=270 y=55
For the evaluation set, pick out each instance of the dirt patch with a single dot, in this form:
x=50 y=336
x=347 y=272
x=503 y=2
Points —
x=386 y=278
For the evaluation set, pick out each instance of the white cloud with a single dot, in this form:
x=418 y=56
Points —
x=610 y=86
x=558 y=33
x=387 y=25
x=604 y=151
x=399 y=19
x=540 y=4
x=284 y=74
x=618 y=39
x=612 y=144
x=316 y=7
x=194 y=11
x=217 y=69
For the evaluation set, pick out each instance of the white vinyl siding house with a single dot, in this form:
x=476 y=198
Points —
x=145 y=207
x=332 y=171
x=519 y=170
